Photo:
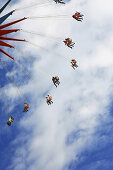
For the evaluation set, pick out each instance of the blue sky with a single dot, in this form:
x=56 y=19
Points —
x=75 y=133
x=99 y=155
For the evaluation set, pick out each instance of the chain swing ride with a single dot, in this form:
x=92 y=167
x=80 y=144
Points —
x=4 y=31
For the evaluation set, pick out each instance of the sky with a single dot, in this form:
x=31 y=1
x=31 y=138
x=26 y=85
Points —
x=75 y=132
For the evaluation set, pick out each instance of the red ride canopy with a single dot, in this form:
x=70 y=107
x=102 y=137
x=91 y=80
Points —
x=4 y=32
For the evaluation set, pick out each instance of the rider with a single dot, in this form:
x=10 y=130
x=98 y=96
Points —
x=11 y=119
x=49 y=100
x=59 y=1
x=73 y=63
x=55 y=80
x=78 y=16
x=26 y=106
x=69 y=43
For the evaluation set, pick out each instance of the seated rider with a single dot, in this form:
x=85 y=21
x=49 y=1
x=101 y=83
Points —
x=73 y=63
x=69 y=42
x=78 y=16
x=49 y=100
x=11 y=119
x=26 y=106
x=59 y=1
x=55 y=80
